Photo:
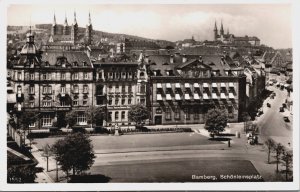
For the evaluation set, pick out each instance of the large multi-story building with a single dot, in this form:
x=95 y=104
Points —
x=52 y=83
x=119 y=84
x=184 y=87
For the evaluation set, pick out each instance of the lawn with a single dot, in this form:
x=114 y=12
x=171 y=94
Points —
x=140 y=141
x=180 y=171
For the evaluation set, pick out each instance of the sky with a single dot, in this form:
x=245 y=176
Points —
x=270 y=22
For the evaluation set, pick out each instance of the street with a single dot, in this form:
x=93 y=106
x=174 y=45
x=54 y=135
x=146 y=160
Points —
x=271 y=123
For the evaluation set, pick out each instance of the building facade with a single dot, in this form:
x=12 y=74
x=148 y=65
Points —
x=184 y=87
x=119 y=84
x=52 y=84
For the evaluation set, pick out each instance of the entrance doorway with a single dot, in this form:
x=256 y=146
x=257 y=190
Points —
x=158 y=120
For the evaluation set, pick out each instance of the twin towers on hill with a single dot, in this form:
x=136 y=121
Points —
x=70 y=34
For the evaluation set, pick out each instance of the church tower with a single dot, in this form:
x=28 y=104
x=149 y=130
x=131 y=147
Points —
x=89 y=31
x=54 y=26
x=74 y=30
x=215 y=32
x=222 y=29
x=66 y=27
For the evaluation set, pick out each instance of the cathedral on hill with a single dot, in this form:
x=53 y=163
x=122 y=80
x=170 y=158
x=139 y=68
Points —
x=70 y=34
x=232 y=39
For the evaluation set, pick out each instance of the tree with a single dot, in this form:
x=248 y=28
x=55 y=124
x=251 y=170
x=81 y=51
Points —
x=26 y=119
x=287 y=158
x=270 y=143
x=279 y=149
x=71 y=118
x=74 y=152
x=47 y=152
x=216 y=121
x=21 y=174
x=95 y=115
x=138 y=114
x=246 y=117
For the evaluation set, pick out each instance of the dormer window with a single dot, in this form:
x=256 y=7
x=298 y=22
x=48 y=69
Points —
x=84 y=63
x=75 y=64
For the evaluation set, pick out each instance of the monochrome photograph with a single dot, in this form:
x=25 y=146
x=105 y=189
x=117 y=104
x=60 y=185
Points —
x=149 y=93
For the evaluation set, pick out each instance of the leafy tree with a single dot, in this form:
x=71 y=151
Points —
x=270 y=143
x=28 y=118
x=74 y=152
x=70 y=118
x=216 y=121
x=287 y=158
x=95 y=115
x=138 y=114
x=279 y=149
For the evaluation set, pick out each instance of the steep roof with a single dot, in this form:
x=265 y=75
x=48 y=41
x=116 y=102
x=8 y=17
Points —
x=51 y=57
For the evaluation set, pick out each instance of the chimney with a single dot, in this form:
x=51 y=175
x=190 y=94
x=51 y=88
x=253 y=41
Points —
x=171 y=58
x=184 y=58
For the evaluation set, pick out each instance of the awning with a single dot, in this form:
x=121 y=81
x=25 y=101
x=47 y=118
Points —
x=187 y=96
x=214 y=96
x=11 y=98
x=177 y=97
x=196 y=85
x=158 y=97
x=214 y=85
x=177 y=85
x=231 y=85
x=231 y=96
x=158 y=85
x=168 y=97
x=187 y=85
x=196 y=96
x=205 y=96
x=205 y=85
x=223 y=96
x=168 y=85
x=223 y=85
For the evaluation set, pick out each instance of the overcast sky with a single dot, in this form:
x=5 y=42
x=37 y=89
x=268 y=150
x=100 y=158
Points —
x=270 y=23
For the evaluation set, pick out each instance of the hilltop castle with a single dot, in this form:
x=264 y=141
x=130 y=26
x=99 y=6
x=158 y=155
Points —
x=70 y=34
x=231 y=39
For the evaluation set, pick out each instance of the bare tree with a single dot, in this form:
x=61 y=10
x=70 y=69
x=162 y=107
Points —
x=279 y=149
x=287 y=158
x=270 y=145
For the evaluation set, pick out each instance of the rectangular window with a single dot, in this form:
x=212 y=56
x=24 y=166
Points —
x=129 y=88
x=110 y=102
x=116 y=101
x=31 y=76
x=168 y=114
x=76 y=76
x=196 y=113
x=100 y=75
x=86 y=76
x=63 y=76
x=31 y=89
x=31 y=104
x=44 y=76
x=49 y=89
x=85 y=102
x=81 y=119
x=142 y=101
x=116 y=115
x=46 y=120
x=129 y=101
x=123 y=101
x=45 y=89
x=75 y=102
x=110 y=116
x=76 y=89
x=85 y=89
x=177 y=113
x=123 y=115
x=63 y=90
x=46 y=103
x=19 y=76
x=117 y=88
x=187 y=113
x=123 y=88
x=32 y=124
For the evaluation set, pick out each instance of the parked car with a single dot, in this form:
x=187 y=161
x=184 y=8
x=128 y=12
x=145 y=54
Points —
x=281 y=109
x=286 y=119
